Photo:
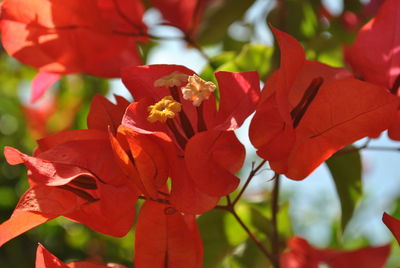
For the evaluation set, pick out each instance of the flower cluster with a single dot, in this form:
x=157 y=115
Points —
x=174 y=147
x=179 y=157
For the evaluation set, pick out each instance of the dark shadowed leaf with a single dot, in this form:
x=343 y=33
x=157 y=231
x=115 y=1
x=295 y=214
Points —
x=250 y=255
x=346 y=173
x=214 y=25
x=298 y=18
x=215 y=241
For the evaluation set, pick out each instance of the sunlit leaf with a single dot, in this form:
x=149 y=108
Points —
x=251 y=57
x=217 y=61
x=235 y=233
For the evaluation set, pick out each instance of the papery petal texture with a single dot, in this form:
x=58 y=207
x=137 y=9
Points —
x=166 y=238
x=375 y=54
x=393 y=224
x=44 y=259
x=76 y=174
x=73 y=37
x=206 y=152
x=302 y=255
x=309 y=110
x=184 y=15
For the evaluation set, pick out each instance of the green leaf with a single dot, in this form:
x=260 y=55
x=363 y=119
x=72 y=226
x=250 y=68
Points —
x=252 y=57
x=217 y=18
x=251 y=255
x=215 y=241
x=261 y=222
x=7 y=197
x=284 y=222
x=208 y=71
x=235 y=233
x=296 y=17
x=396 y=212
x=346 y=172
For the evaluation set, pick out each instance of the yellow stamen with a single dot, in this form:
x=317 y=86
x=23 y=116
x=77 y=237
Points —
x=197 y=90
x=166 y=108
x=174 y=79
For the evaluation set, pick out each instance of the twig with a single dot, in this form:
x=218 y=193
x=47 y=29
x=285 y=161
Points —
x=192 y=43
x=141 y=34
x=366 y=147
x=275 y=245
x=252 y=173
x=186 y=37
x=230 y=208
x=382 y=148
x=252 y=236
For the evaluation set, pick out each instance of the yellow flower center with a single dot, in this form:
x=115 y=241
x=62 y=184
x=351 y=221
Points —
x=174 y=79
x=197 y=90
x=166 y=108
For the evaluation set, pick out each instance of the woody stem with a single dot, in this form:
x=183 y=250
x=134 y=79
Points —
x=193 y=43
x=252 y=173
x=275 y=245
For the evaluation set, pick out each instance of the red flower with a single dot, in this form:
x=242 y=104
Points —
x=183 y=14
x=44 y=259
x=393 y=224
x=74 y=174
x=302 y=255
x=175 y=104
x=309 y=110
x=83 y=174
x=374 y=55
x=36 y=117
x=166 y=238
x=77 y=37
x=96 y=37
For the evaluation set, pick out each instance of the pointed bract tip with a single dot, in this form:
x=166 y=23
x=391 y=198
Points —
x=13 y=156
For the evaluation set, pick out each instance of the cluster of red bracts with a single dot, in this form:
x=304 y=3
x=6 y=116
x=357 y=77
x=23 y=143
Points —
x=300 y=254
x=183 y=164
x=95 y=176
x=97 y=37
x=174 y=146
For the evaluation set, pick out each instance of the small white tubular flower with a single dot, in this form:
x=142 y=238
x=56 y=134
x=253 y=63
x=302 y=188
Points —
x=174 y=79
x=197 y=90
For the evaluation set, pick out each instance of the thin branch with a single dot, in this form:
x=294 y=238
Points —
x=252 y=236
x=189 y=40
x=382 y=148
x=186 y=37
x=193 y=43
x=275 y=245
x=366 y=147
x=229 y=202
x=231 y=209
x=252 y=173
x=141 y=34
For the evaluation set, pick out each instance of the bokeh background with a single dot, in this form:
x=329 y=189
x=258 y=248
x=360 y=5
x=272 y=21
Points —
x=240 y=41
